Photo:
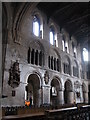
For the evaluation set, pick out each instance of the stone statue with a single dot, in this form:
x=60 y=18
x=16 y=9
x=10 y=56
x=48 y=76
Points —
x=14 y=75
x=46 y=77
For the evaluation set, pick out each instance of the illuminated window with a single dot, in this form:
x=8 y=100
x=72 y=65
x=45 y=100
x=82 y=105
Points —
x=51 y=38
x=36 y=26
x=52 y=35
x=63 y=44
x=85 y=54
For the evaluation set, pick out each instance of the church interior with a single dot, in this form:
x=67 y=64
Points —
x=45 y=61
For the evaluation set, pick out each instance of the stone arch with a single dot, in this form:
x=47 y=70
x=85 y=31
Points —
x=56 y=86
x=75 y=69
x=65 y=39
x=39 y=16
x=18 y=20
x=53 y=26
x=54 y=60
x=37 y=44
x=36 y=53
x=66 y=65
x=33 y=88
x=68 y=92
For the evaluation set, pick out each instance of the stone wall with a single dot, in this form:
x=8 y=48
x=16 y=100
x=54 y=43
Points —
x=17 y=50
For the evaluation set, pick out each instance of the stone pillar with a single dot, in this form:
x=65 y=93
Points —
x=43 y=59
x=30 y=55
x=60 y=97
x=71 y=70
x=56 y=63
x=25 y=95
x=85 y=97
x=38 y=56
x=62 y=67
x=53 y=63
x=81 y=94
x=46 y=95
x=34 y=56
x=70 y=97
x=39 y=97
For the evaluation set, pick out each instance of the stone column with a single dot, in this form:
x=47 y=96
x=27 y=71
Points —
x=30 y=56
x=61 y=97
x=85 y=97
x=39 y=97
x=62 y=67
x=71 y=70
x=56 y=63
x=25 y=95
x=79 y=72
x=34 y=56
x=38 y=56
x=46 y=95
x=53 y=63
x=81 y=94
x=70 y=97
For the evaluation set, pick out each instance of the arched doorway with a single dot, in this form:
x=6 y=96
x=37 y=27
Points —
x=54 y=93
x=33 y=90
x=68 y=92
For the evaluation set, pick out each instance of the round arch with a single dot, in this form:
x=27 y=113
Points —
x=56 y=86
x=66 y=65
x=53 y=28
x=75 y=69
x=33 y=88
x=40 y=19
x=68 y=92
x=54 y=60
x=36 y=53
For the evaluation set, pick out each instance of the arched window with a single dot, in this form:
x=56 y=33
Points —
x=74 y=49
x=52 y=35
x=66 y=65
x=28 y=55
x=75 y=69
x=85 y=54
x=64 y=43
x=36 y=26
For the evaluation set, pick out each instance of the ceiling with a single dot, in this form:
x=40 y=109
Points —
x=73 y=16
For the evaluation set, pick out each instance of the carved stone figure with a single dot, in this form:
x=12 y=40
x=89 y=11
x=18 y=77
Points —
x=46 y=77
x=14 y=75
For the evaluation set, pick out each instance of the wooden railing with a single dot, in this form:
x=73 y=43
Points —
x=77 y=112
